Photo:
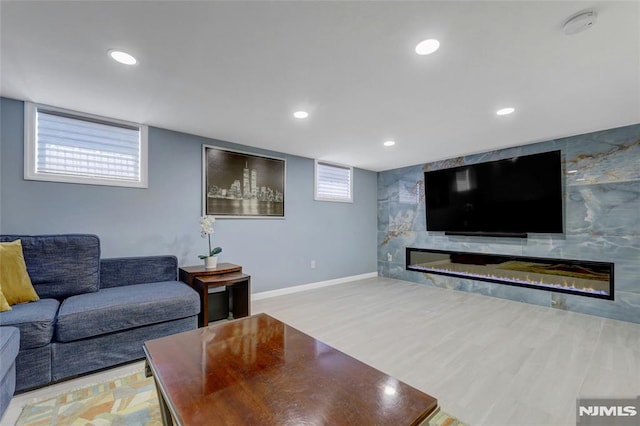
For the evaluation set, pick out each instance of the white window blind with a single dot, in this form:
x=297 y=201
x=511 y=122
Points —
x=77 y=148
x=333 y=182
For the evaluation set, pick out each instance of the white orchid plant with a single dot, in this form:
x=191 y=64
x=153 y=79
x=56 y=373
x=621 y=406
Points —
x=206 y=229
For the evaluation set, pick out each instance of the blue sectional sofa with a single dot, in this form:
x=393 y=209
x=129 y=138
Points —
x=92 y=313
x=9 y=346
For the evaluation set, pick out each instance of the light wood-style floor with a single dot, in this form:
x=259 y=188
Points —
x=488 y=361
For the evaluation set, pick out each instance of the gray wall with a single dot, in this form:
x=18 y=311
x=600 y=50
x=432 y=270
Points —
x=163 y=219
x=602 y=222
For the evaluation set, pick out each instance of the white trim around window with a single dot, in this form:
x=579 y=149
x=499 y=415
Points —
x=73 y=147
x=333 y=182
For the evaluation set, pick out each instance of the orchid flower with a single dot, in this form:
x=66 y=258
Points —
x=206 y=229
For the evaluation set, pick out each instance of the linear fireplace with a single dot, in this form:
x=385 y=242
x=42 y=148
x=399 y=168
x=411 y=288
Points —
x=585 y=278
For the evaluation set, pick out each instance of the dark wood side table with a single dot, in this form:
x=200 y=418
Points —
x=237 y=288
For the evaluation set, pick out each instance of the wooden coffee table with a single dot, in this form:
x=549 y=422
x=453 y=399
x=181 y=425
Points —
x=260 y=371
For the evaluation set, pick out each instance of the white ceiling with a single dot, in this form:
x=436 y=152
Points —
x=236 y=71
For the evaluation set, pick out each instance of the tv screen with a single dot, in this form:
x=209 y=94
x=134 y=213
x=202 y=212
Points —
x=514 y=197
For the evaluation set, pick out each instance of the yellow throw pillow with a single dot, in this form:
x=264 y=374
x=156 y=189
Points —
x=4 y=305
x=14 y=279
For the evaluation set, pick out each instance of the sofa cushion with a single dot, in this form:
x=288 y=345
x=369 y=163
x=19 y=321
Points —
x=119 y=271
x=61 y=265
x=15 y=283
x=122 y=308
x=112 y=349
x=9 y=347
x=4 y=305
x=35 y=321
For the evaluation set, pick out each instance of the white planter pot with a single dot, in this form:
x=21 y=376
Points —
x=211 y=262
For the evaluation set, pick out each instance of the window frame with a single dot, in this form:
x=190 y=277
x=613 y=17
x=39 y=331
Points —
x=318 y=197
x=31 y=150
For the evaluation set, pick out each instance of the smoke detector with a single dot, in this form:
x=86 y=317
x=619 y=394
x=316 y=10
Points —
x=580 y=22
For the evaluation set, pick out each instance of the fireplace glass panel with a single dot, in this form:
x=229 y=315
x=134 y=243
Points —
x=586 y=278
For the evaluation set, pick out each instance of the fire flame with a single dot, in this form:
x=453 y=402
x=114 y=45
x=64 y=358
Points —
x=565 y=285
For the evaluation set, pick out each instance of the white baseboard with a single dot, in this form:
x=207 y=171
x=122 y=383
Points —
x=310 y=286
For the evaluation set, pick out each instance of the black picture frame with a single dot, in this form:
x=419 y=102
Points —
x=238 y=184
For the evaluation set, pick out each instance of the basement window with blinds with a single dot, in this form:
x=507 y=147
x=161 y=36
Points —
x=72 y=147
x=333 y=182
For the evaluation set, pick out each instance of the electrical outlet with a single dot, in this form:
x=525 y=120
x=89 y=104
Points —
x=389 y=257
x=313 y=264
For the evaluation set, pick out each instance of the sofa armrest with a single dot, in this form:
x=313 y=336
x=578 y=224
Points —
x=116 y=272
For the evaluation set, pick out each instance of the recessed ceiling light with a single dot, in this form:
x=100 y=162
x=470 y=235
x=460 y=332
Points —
x=122 y=57
x=427 y=47
x=301 y=114
x=505 y=111
x=389 y=143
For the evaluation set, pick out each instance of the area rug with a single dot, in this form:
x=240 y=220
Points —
x=442 y=418
x=126 y=401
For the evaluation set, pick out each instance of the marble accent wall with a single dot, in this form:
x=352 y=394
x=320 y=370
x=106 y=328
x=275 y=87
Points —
x=602 y=222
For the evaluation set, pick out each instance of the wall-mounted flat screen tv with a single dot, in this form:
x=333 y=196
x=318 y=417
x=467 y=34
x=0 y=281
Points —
x=511 y=197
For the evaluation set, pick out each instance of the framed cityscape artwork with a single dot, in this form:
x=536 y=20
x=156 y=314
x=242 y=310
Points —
x=242 y=185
